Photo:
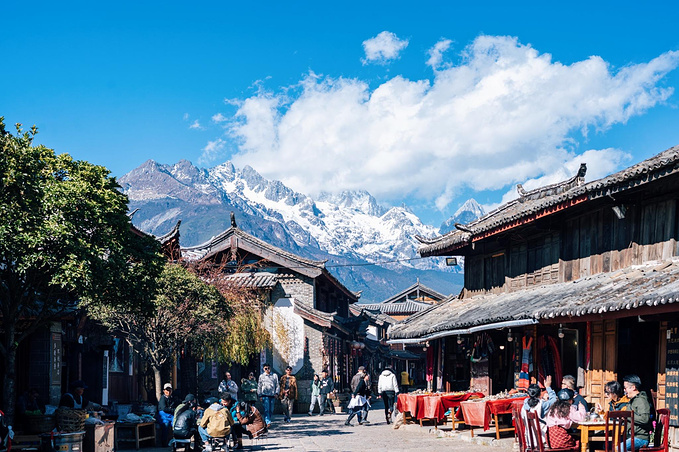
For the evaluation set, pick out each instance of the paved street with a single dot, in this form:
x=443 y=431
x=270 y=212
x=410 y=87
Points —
x=328 y=433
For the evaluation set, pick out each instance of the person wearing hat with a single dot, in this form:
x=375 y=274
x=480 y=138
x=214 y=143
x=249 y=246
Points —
x=74 y=398
x=166 y=406
x=187 y=400
x=561 y=417
x=639 y=404
x=185 y=425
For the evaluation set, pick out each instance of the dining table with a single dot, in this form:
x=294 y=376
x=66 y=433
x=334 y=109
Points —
x=587 y=428
x=479 y=413
x=432 y=406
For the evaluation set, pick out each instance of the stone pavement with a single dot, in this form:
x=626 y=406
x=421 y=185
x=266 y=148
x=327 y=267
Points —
x=328 y=433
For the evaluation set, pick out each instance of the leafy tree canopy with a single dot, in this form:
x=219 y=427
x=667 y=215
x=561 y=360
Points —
x=64 y=235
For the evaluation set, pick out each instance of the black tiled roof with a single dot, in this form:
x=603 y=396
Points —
x=536 y=201
x=652 y=284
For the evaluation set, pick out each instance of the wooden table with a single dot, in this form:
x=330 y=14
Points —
x=136 y=433
x=586 y=428
x=479 y=414
x=432 y=407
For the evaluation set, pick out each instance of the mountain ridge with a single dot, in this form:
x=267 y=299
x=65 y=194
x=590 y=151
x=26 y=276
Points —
x=345 y=228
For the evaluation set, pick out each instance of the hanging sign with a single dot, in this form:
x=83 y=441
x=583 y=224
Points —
x=672 y=374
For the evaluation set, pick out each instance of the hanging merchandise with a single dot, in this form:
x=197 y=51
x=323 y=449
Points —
x=550 y=358
x=526 y=362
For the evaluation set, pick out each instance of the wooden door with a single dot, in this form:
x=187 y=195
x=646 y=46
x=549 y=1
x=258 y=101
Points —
x=603 y=360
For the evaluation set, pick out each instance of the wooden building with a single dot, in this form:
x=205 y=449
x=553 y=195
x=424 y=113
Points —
x=307 y=307
x=590 y=270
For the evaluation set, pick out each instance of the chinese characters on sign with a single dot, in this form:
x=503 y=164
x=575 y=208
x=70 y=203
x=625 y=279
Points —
x=56 y=359
x=672 y=375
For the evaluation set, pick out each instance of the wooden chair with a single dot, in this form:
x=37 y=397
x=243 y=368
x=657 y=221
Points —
x=662 y=427
x=519 y=428
x=617 y=424
x=534 y=437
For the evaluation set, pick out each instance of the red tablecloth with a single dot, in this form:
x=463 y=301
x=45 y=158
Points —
x=436 y=405
x=431 y=406
x=410 y=402
x=479 y=413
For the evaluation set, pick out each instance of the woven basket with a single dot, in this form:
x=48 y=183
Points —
x=70 y=420
x=40 y=424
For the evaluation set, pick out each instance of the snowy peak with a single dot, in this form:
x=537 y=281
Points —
x=348 y=226
x=359 y=200
x=468 y=212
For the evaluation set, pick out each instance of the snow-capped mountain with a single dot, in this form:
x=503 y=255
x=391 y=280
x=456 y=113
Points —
x=346 y=228
x=468 y=212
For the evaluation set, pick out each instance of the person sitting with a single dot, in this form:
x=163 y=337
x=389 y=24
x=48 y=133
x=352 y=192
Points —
x=74 y=398
x=536 y=402
x=561 y=416
x=185 y=425
x=617 y=400
x=237 y=429
x=166 y=406
x=639 y=404
x=568 y=382
x=217 y=421
x=251 y=419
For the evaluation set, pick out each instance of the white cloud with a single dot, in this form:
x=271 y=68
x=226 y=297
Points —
x=506 y=114
x=212 y=151
x=196 y=125
x=436 y=53
x=219 y=118
x=383 y=48
x=600 y=163
x=185 y=117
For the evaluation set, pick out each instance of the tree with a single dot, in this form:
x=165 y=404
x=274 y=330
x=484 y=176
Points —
x=185 y=311
x=245 y=335
x=64 y=236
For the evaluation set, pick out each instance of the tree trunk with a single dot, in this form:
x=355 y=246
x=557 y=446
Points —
x=159 y=382
x=9 y=383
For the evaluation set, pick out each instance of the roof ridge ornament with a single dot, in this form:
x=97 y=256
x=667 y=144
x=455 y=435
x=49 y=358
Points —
x=554 y=189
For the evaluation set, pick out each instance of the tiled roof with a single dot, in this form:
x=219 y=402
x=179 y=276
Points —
x=220 y=242
x=403 y=307
x=259 y=280
x=652 y=284
x=545 y=198
x=417 y=287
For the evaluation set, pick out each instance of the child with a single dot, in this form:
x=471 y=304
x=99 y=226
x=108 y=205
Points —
x=561 y=417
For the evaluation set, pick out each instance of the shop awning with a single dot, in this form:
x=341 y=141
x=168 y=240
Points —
x=652 y=285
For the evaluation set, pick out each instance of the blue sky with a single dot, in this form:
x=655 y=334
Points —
x=347 y=95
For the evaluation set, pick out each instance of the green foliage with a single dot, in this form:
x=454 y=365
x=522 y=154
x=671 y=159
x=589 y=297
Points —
x=184 y=311
x=65 y=234
x=245 y=337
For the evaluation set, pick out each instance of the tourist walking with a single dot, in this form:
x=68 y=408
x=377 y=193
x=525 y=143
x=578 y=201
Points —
x=288 y=394
x=326 y=387
x=267 y=390
x=315 y=395
x=359 y=401
x=387 y=388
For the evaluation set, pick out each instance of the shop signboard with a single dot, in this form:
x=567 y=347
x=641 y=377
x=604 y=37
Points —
x=672 y=374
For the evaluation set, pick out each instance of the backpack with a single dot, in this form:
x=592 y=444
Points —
x=220 y=424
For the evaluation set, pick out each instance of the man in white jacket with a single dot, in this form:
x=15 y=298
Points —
x=387 y=387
